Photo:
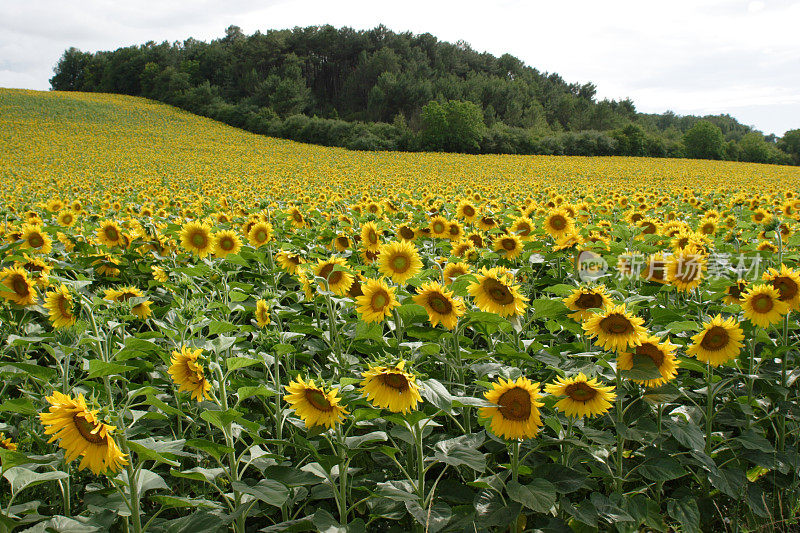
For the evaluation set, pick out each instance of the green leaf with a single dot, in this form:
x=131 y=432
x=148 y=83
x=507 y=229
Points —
x=256 y=390
x=21 y=478
x=437 y=394
x=539 y=495
x=220 y=419
x=462 y=450
x=268 y=491
x=359 y=440
x=99 y=369
x=687 y=434
x=235 y=363
x=662 y=469
x=20 y=406
x=401 y=491
x=217 y=327
x=432 y=518
x=548 y=308
x=150 y=449
x=214 y=449
x=643 y=369
x=368 y=331
x=686 y=513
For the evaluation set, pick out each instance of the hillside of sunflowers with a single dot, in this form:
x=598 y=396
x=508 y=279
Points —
x=203 y=329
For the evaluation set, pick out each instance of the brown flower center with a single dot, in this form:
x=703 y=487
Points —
x=651 y=351
x=762 y=303
x=406 y=233
x=111 y=234
x=524 y=229
x=372 y=236
x=787 y=288
x=261 y=235
x=489 y=221
x=318 y=400
x=440 y=303
x=86 y=429
x=715 y=339
x=515 y=404
x=226 y=244
x=438 y=227
x=616 y=324
x=509 y=244
x=199 y=239
x=343 y=242
x=400 y=263
x=395 y=380
x=20 y=286
x=589 y=301
x=36 y=240
x=379 y=300
x=498 y=292
x=580 y=392
x=469 y=211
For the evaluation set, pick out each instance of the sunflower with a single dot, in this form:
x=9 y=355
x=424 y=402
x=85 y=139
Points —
x=297 y=218
x=733 y=294
x=82 y=434
x=406 y=233
x=6 y=444
x=439 y=227
x=615 y=328
x=487 y=222
x=656 y=268
x=123 y=294
x=109 y=233
x=508 y=246
x=196 y=238
x=314 y=405
x=341 y=243
x=18 y=287
x=371 y=237
x=289 y=262
x=515 y=414
x=37 y=268
x=453 y=270
x=762 y=305
x=338 y=281
x=35 y=240
x=262 y=313
x=558 y=223
x=582 y=396
x=787 y=281
x=662 y=354
x=440 y=304
x=226 y=242
x=477 y=239
x=187 y=372
x=455 y=232
x=466 y=211
x=719 y=342
x=59 y=305
x=463 y=249
x=495 y=292
x=523 y=227
x=376 y=301
x=259 y=234
x=106 y=265
x=399 y=260
x=391 y=387
x=159 y=274
x=686 y=268
x=568 y=241
x=584 y=299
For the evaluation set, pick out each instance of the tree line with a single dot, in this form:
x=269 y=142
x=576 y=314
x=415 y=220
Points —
x=381 y=90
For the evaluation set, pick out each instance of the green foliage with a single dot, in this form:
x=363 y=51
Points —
x=451 y=127
x=704 y=141
x=790 y=143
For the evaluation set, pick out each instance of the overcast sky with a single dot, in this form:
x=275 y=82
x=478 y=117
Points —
x=690 y=56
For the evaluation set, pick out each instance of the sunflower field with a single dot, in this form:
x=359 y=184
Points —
x=203 y=329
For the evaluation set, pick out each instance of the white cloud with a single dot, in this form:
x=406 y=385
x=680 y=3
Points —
x=690 y=56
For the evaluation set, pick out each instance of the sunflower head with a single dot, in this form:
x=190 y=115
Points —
x=17 y=287
x=391 y=387
x=762 y=305
x=226 y=242
x=652 y=350
x=376 y=301
x=262 y=313
x=582 y=396
x=733 y=294
x=196 y=238
x=584 y=299
x=495 y=292
x=787 y=282
x=454 y=270
x=440 y=304
x=60 y=307
x=399 y=260
x=615 y=328
x=508 y=246
x=515 y=414
x=315 y=405
x=259 y=234
x=334 y=275
x=187 y=372
x=6 y=444
x=82 y=434
x=718 y=342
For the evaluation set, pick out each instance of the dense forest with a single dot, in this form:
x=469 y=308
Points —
x=380 y=90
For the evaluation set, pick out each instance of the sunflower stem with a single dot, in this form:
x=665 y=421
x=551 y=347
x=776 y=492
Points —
x=709 y=406
x=784 y=367
x=515 y=461
x=620 y=436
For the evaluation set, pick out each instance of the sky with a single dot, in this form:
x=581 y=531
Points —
x=740 y=57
